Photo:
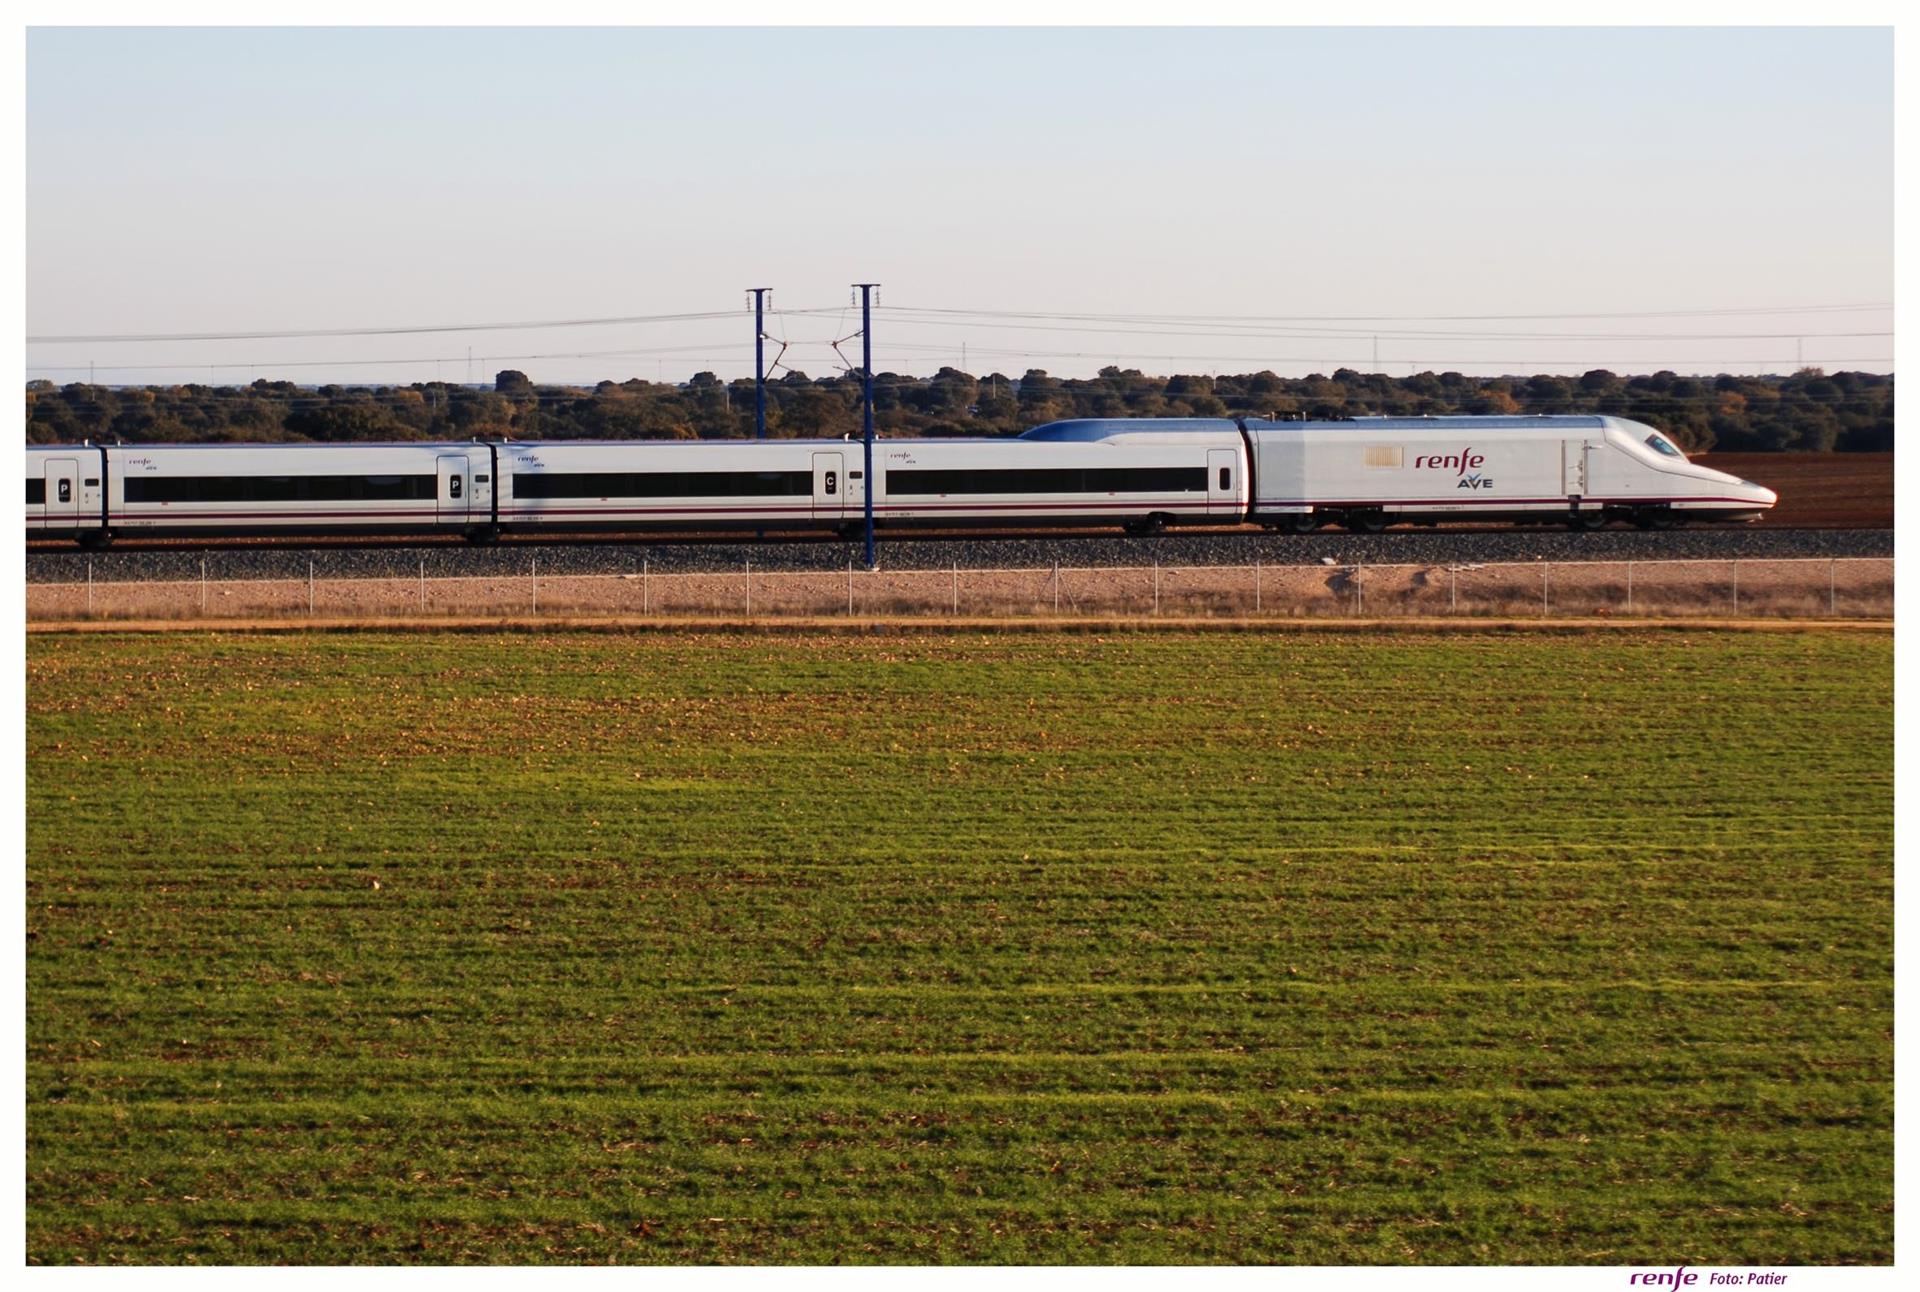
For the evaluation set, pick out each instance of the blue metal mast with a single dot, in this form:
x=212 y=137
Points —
x=866 y=409
x=759 y=362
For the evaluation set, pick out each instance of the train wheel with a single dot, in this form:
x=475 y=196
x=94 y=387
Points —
x=95 y=540
x=483 y=536
x=1580 y=521
x=1146 y=526
x=1365 y=522
x=1656 y=518
x=1300 y=524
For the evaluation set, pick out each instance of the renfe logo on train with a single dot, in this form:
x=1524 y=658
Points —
x=1462 y=462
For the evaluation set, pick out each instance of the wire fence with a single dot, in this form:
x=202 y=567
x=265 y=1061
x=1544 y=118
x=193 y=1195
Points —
x=1799 y=588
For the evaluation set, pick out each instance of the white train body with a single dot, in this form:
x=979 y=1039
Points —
x=298 y=488
x=1167 y=470
x=1585 y=469
x=1139 y=473
x=665 y=484
x=65 y=490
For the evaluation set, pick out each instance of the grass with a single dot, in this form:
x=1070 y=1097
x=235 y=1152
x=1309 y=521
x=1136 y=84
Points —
x=1157 y=948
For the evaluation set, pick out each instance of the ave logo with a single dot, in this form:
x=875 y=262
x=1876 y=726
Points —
x=1475 y=481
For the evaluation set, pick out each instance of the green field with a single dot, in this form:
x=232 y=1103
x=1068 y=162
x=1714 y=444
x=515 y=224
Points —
x=1319 y=948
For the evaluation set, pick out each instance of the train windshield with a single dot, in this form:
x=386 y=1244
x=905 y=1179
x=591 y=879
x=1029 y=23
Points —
x=1663 y=446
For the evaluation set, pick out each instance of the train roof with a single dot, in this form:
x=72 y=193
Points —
x=227 y=446
x=1106 y=428
x=1071 y=430
x=1494 y=422
x=1084 y=429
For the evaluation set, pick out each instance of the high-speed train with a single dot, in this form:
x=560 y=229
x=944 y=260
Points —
x=1142 y=474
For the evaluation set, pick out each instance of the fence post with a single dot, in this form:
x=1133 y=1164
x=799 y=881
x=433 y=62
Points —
x=1629 y=587
x=533 y=572
x=1056 y=587
x=1832 y=604
x=749 y=587
x=1453 y=589
x=309 y=589
x=423 y=585
x=1156 y=585
x=849 y=586
x=203 y=585
x=1359 y=590
x=1256 y=585
x=1736 y=588
x=956 y=589
x=646 y=588
x=1544 y=566
x=89 y=585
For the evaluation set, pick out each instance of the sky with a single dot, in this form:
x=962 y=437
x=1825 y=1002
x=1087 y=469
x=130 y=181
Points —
x=1174 y=200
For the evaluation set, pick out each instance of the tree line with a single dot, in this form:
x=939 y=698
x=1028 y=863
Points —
x=1809 y=410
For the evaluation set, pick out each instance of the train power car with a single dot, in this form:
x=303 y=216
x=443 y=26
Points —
x=1370 y=472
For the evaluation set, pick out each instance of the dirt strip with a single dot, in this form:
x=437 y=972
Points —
x=921 y=624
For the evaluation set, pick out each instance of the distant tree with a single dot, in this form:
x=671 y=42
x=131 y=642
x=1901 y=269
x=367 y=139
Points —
x=954 y=393
x=1809 y=409
x=1493 y=400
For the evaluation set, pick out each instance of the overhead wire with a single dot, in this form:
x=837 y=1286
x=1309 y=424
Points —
x=1402 y=318
x=402 y=330
x=1158 y=325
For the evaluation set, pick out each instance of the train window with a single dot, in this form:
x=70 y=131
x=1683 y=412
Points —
x=66 y=491
x=93 y=482
x=36 y=492
x=1660 y=444
x=1226 y=477
x=453 y=486
x=481 y=479
x=663 y=484
x=856 y=475
x=1055 y=480
x=833 y=483
x=281 y=488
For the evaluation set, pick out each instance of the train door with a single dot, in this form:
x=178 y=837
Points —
x=1223 y=484
x=453 y=492
x=63 y=493
x=829 y=485
x=480 y=487
x=1573 y=468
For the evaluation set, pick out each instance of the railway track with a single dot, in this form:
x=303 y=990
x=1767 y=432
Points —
x=817 y=538
x=718 y=553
